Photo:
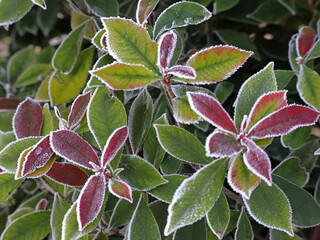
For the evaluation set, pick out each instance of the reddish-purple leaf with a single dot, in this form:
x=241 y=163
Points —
x=167 y=44
x=305 y=40
x=219 y=144
x=113 y=144
x=257 y=161
x=284 y=121
x=144 y=9
x=27 y=120
x=72 y=147
x=90 y=200
x=265 y=105
x=38 y=156
x=120 y=189
x=78 y=109
x=9 y=103
x=212 y=111
x=68 y=174
x=41 y=205
x=2 y=170
x=183 y=72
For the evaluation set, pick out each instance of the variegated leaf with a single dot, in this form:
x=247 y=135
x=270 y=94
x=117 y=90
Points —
x=78 y=109
x=120 y=189
x=185 y=72
x=305 y=40
x=167 y=44
x=219 y=144
x=144 y=9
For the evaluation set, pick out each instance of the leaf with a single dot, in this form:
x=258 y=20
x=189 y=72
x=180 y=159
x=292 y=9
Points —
x=180 y=14
x=144 y=10
x=124 y=76
x=33 y=74
x=78 y=109
x=66 y=55
x=129 y=42
x=7 y=185
x=71 y=146
x=79 y=18
x=196 y=231
x=182 y=111
x=240 y=178
x=64 y=88
x=19 y=8
x=99 y=41
x=296 y=138
x=305 y=209
x=223 y=90
x=91 y=200
x=196 y=195
x=9 y=103
x=40 y=3
x=305 y=40
x=165 y=192
x=120 y=189
x=283 y=78
x=143 y=225
x=215 y=64
x=182 y=71
x=102 y=61
x=284 y=121
x=67 y=174
x=102 y=120
x=308 y=86
x=219 y=144
x=135 y=166
x=20 y=212
x=181 y=144
x=27 y=120
x=219 y=216
x=314 y=51
x=244 y=228
x=262 y=82
x=166 y=47
x=267 y=202
x=293 y=55
x=113 y=145
x=47 y=125
x=59 y=208
x=212 y=111
x=43 y=90
x=10 y=154
x=140 y=119
x=223 y=5
x=102 y=8
x=6 y=138
x=289 y=4
x=275 y=235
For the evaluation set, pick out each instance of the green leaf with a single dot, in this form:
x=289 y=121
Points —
x=196 y=231
x=102 y=120
x=158 y=208
x=40 y=3
x=165 y=192
x=7 y=185
x=170 y=164
x=59 y=208
x=219 y=216
x=33 y=226
x=223 y=90
x=215 y=64
x=135 y=166
x=6 y=138
x=143 y=225
x=123 y=76
x=13 y=10
x=244 y=228
x=180 y=14
x=314 y=51
x=270 y=207
x=276 y=235
x=196 y=195
x=33 y=74
x=223 y=5
x=289 y=4
x=296 y=138
x=43 y=90
x=305 y=209
x=47 y=125
x=19 y=213
x=293 y=55
x=78 y=19
x=66 y=55
x=97 y=41
x=10 y=154
x=317 y=190
x=283 y=78
x=290 y=170
x=182 y=111
x=308 y=86
x=6 y=120
x=130 y=42
x=47 y=19
x=102 y=8
x=181 y=144
x=94 y=81
x=262 y=82
x=140 y=119
x=64 y=88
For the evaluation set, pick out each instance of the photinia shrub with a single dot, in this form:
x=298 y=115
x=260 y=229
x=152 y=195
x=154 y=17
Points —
x=159 y=119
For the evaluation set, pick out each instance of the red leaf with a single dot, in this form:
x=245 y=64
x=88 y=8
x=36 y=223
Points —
x=68 y=174
x=41 y=205
x=257 y=161
x=219 y=144
x=305 y=40
x=8 y=103
x=113 y=144
x=72 y=147
x=183 y=72
x=27 y=120
x=78 y=109
x=90 y=200
x=167 y=44
x=38 y=156
x=266 y=104
x=212 y=111
x=144 y=9
x=120 y=189
x=284 y=121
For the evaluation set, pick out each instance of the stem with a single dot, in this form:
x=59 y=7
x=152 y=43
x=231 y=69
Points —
x=232 y=195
